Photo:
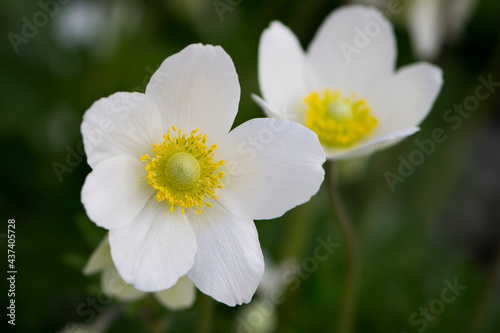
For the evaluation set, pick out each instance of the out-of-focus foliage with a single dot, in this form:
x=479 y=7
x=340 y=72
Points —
x=441 y=223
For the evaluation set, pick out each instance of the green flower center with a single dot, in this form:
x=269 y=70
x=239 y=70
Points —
x=339 y=110
x=182 y=171
x=338 y=120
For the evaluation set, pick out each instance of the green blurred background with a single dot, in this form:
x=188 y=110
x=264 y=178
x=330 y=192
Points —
x=442 y=223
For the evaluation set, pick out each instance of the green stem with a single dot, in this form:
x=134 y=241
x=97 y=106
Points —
x=206 y=315
x=349 y=298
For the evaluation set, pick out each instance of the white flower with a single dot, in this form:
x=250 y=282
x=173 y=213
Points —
x=434 y=23
x=96 y=25
x=178 y=297
x=345 y=87
x=269 y=295
x=178 y=191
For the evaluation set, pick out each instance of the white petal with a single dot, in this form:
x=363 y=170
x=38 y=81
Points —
x=271 y=166
x=155 y=250
x=113 y=284
x=426 y=27
x=229 y=264
x=197 y=88
x=370 y=146
x=405 y=100
x=180 y=296
x=116 y=191
x=268 y=109
x=283 y=74
x=99 y=259
x=121 y=124
x=353 y=49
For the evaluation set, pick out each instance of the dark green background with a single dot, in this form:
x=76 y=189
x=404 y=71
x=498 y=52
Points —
x=442 y=223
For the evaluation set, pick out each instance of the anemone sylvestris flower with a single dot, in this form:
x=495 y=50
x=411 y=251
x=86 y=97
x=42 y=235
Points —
x=345 y=87
x=433 y=24
x=178 y=190
x=180 y=296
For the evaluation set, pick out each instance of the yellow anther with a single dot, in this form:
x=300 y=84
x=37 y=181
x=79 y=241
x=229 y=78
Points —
x=338 y=121
x=182 y=170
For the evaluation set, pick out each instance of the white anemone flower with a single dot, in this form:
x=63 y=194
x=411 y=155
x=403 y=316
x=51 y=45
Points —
x=345 y=87
x=178 y=190
x=434 y=23
x=180 y=296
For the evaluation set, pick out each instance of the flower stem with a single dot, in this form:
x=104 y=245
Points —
x=206 y=314
x=349 y=298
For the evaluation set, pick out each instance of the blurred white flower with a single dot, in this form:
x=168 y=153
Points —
x=434 y=23
x=97 y=25
x=261 y=316
x=178 y=297
x=177 y=203
x=345 y=87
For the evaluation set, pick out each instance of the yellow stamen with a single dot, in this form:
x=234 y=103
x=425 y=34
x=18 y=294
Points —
x=338 y=121
x=182 y=170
